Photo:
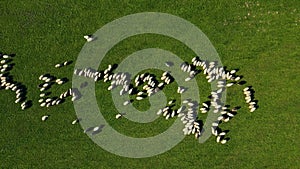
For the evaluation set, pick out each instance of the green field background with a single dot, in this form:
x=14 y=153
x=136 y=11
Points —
x=261 y=38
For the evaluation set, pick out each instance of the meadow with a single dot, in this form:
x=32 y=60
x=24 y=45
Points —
x=260 y=38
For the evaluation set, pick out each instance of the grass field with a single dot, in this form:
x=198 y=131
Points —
x=261 y=38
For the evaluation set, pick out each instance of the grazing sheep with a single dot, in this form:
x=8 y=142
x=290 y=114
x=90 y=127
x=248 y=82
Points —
x=139 y=98
x=126 y=102
x=44 y=118
x=18 y=100
x=89 y=38
x=187 y=79
x=252 y=109
x=219 y=138
x=59 y=81
x=223 y=141
x=75 y=121
x=230 y=84
x=119 y=116
x=58 y=65
x=171 y=102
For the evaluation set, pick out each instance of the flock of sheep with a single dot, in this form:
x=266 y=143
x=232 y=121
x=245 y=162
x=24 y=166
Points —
x=145 y=85
x=8 y=83
x=188 y=112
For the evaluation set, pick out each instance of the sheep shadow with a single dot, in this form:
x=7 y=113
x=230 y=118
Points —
x=84 y=84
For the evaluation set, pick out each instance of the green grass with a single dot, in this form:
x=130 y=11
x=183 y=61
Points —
x=263 y=45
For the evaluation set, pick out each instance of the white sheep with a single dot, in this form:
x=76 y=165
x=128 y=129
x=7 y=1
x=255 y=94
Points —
x=44 y=118
x=89 y=38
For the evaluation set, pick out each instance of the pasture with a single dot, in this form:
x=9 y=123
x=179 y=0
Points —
x=260 y=38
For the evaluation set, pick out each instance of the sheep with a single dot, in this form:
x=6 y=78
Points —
x=226 y=119
x=96 y=128
x=3 y=69
x=173 y=113
x=237 y=78
x=45 y=85
x=252 y=103
x=18 y=95
x=5 y=56
x=203 y=110
x=223 y=112
x=119 y=116
x=75 y=121
x=159 y=112
x=42 y=89
x=165 y=113
x=192 y=73
x=252 y=109
x=181 y=89
x=74 y=98
x=67 y=62
x=167 y=80
x=167 y=116
x=210 y=80
x=197 y=135
x=220 y=118
x=14 y=88
x=215 y=124
x=205 y=105
x=246 y=88
x=41 y=77
x=110 y=87
x=139 y=98
x=18 y=100
x=3 y=61
x=247 y=93
x=214 y=131
x=230 y=114
x=220 y=85
x=180 y=109
x=187 y=79
x=220 y=90
x=171 y=102
x=218 y=138
x=24 y=104
x=48 y=100
x=223 y=141
x=186 y=101
x=58 y=65
x=48 y=80
x=59 y=81
x=45 y=117
x=58 y=101
x=216 y=111
x=191 y=104
x=188 y=68
x=53 y=103
x=126 y=102
x=89 y=38
x=230 y=84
